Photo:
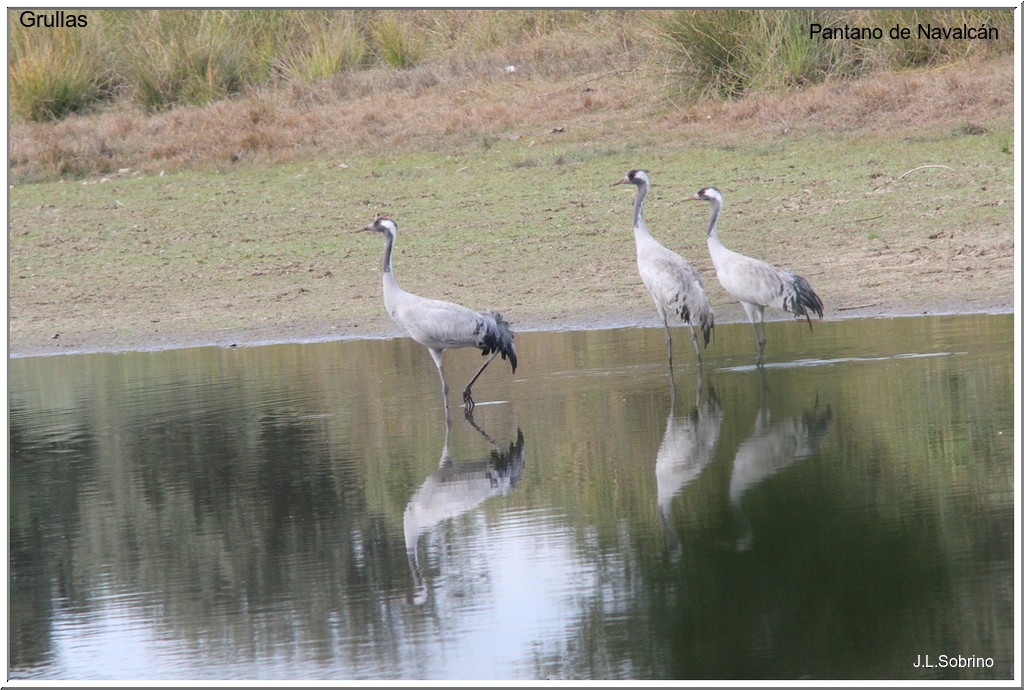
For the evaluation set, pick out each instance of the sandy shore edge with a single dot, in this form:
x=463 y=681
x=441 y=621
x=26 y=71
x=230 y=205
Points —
x=291 y=334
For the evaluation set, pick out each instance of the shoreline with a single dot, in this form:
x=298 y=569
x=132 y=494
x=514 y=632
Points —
x=269 y=336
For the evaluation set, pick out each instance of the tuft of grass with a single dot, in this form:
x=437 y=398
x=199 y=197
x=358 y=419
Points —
x=322 y=48
x=915 y=52
x=797 y=58
x=170 y=57
x=52 y=74
x=730 y=53
x=396 y=41
x=969 y=130
x=706 y=45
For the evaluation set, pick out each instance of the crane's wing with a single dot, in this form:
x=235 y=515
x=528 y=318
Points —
x=440 y=325
x=751 y=280
x=676 y=286
x=436 y=323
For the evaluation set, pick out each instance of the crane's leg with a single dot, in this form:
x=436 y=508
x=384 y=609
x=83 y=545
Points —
x=668 y=334
x=668 y=344
x=437 y=355
x=466 y=397
x=761 y=339
x=755 y=312
x=696 y=348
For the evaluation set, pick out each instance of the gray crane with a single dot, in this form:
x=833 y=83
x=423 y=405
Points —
x=440 y=325
x=672 y=281
x=755 y=283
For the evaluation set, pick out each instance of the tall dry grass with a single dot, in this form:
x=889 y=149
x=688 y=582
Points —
x=54 y=73
x=322 y=47
x=163 y=58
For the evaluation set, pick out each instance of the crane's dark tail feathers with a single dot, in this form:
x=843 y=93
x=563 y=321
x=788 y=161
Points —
x=496 y=336
x=706 y=318
x=801 y=299
x=701 y=315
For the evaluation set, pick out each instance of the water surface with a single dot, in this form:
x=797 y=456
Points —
x=302 y=512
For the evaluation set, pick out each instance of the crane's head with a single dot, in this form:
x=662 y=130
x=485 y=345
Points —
x=382 y=224
x=708 y=194
x=636 y=176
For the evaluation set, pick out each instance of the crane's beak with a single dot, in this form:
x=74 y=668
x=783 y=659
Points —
x=695 y=197
x=368 y=228
x=624 y=180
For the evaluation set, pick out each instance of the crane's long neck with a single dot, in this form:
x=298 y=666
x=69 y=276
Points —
x=719 y=252
x=639 y=225
x=389 y=244
x=716 y=208
x=391 y=288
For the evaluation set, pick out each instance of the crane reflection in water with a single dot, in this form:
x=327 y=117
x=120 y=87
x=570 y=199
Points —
x=456 y=488
x=772 y=446
x=687 y=448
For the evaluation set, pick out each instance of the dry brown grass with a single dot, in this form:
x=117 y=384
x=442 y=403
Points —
x=918 y=100
x=442 y=106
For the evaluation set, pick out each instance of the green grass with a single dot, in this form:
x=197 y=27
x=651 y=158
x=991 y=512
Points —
x=547 y=243
x=171 y=57
x=163 y=58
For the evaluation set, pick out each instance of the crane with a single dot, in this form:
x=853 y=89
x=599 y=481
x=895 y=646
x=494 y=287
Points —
x=440 y=325
x=755 y=283
x=672 y=281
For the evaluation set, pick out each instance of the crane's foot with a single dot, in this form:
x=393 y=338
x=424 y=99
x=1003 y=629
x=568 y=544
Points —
x=468 y=399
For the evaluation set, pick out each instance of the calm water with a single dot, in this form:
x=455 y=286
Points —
x=299 y=512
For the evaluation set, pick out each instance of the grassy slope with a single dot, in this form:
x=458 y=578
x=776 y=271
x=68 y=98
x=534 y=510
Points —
x=516 y=217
